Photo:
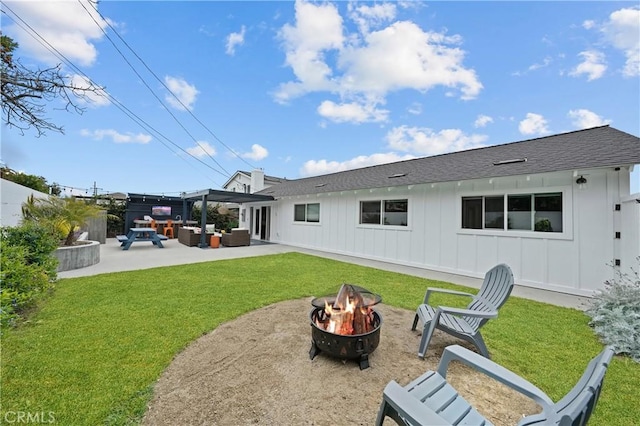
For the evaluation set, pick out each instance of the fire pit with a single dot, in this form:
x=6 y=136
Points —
x=346 y=326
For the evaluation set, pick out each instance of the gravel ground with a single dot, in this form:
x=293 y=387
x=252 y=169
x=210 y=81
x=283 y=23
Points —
x=255 y=370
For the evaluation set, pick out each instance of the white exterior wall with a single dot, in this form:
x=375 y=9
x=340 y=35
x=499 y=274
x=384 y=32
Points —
x=239 y=183
x=12 y=196
x=243 y=183
x=629 y=249
x=577 y=260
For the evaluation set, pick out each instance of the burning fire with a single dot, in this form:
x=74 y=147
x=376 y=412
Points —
x=348 y=315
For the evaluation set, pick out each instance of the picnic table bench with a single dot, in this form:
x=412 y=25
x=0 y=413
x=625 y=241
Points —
x=140 y=234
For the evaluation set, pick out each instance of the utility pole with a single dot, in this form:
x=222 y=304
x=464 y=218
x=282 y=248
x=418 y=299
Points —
x=95 y=190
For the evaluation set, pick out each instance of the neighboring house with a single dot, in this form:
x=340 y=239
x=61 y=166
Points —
x=250 y=182
x=12 y=196
x=557 y=209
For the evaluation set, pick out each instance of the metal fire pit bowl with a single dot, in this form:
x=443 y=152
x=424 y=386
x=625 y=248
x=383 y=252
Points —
x=357 y=346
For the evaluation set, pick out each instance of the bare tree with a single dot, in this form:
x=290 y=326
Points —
x=26 y=92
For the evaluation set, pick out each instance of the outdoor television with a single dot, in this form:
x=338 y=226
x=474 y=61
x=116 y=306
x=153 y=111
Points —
x=161 y=211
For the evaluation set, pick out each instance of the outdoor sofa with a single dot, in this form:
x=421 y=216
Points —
x=237 y=237
x=190 y=236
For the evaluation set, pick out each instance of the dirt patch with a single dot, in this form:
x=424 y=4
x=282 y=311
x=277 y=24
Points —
x=256 y=370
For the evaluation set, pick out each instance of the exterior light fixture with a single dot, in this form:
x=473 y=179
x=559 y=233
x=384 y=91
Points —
x=581 y=180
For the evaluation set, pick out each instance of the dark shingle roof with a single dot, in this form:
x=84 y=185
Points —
x=590 y=148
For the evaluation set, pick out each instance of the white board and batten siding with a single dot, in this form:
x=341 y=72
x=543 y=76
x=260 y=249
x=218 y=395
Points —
x=577 y=260
x=629 y=248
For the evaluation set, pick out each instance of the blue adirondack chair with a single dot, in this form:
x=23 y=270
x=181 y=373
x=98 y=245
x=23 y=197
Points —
x=466 y=323
x=431 y=400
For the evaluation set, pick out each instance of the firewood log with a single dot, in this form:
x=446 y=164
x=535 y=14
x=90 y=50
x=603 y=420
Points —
x=360 y=321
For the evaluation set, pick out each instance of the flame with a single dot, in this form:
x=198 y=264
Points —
x=340 y=319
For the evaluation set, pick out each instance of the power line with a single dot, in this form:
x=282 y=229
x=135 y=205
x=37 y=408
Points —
x=33 y=33
x=164 y=85
x=147 y=85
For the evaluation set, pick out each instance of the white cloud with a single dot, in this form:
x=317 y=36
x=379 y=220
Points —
x=257 y=153
x=318 y=28
x=482 y=120
x=415 y=108
x=584 y=119
x=534 y=124
x=425 y=141
x=371 y=16
x=403 y=56
x=96 y=98
x=622 y=30
x=533 y=67
x=235 y=39
x=202 y=149
x=352 y=112
x=322 y=167
x=65 y=25
x=593 y=65
x=185 y=92
x=369 y=65
x=116 y=136
x=545 y=63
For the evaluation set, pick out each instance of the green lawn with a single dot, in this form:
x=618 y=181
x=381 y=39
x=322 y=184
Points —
x=92 y=354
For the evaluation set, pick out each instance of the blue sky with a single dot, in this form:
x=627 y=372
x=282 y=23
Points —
x=306 y=88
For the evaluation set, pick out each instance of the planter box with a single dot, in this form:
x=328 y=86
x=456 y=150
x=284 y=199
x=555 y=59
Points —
x=81 y=255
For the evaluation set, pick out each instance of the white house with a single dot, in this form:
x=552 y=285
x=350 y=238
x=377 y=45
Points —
x=250 y=183
x=12 y=195
x=557 y=209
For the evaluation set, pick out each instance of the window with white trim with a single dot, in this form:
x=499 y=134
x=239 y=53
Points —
x=306 y=212
x=384 y=212
x=540 y=212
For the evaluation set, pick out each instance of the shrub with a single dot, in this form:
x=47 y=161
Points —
x=615 y=313
x=224 y=221
x=116 y=212
x=28 y=268
x=38 y=241
x=62 y=216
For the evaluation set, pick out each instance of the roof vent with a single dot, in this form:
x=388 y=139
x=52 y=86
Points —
x=514 y=160
x=320 y=185
x=397 y=175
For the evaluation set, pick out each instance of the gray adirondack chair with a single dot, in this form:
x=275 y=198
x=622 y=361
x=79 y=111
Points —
x=466 y=323
x=431 y=400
